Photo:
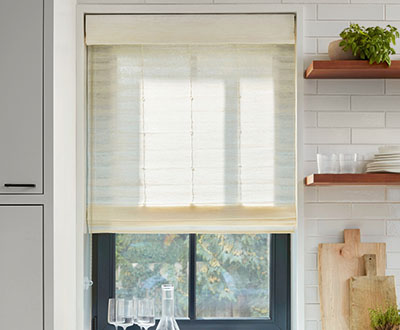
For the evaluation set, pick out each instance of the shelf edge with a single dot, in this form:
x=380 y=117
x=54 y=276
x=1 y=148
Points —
x=365 y=179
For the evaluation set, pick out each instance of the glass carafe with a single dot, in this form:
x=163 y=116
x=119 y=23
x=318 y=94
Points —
x=167 y=321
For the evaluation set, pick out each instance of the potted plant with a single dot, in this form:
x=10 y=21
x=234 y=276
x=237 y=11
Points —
x=385 y=320
x=358 y=42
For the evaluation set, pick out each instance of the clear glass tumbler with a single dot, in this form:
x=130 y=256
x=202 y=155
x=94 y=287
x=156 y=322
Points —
x=349 y=163
x=328 y=163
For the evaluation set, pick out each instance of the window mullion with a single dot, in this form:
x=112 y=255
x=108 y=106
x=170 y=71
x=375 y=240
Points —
x=192 y=276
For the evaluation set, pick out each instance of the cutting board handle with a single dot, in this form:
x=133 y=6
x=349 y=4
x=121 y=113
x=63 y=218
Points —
x=370 y=264
x=352 y=236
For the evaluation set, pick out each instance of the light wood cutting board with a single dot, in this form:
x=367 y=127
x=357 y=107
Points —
x=337 y=263
x=369 y=291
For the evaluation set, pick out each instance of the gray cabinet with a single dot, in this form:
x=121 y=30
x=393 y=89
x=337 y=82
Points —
x=21 y=96
x=21 y=264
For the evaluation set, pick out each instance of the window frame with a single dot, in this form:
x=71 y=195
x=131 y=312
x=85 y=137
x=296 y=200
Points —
x=280 y=307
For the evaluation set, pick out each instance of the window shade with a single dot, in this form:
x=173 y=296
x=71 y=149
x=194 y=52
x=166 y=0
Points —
x=191 y=138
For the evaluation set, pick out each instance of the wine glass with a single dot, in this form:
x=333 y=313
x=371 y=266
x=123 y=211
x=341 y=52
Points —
x=115 y=312
x=135 y=310
x=128 y=315
x=146 y=314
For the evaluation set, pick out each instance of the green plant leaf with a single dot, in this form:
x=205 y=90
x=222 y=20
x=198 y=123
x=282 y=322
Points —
x=383 y=319
x=372 y=43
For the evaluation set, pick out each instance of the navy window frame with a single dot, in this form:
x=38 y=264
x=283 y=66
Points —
x=104 y=288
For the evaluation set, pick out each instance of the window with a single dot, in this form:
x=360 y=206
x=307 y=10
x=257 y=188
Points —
x=192 y=164
x=222 y=281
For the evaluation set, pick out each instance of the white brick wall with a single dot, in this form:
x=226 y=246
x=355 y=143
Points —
x=370 y=110
x=341 y=116
x=348 y=116
x=352 y=116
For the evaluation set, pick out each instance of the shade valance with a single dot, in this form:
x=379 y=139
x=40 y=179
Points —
x=190 y=29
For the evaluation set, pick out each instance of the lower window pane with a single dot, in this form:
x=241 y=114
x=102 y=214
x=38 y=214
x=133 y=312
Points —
x=233 y=276
x=145 y=262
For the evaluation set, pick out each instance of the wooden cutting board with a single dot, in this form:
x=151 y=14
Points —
x=337 y=263
x=369 y=291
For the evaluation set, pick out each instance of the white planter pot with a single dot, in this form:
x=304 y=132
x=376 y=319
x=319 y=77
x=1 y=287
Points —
x=336 y=52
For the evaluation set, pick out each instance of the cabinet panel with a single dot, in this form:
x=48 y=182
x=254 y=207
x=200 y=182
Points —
x=21 y=260
x=21 y=93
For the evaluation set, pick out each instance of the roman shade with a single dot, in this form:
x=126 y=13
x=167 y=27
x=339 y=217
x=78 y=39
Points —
x=190 y=134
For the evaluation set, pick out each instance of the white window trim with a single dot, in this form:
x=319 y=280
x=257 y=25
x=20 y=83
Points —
x=82 y=293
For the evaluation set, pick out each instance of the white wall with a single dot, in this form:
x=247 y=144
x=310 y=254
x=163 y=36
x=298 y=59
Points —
x=351 y=116
x=348 y=116
x=64 y=165
x=340 y=115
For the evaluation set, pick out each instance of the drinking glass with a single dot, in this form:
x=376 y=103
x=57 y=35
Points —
x=128 y=314
x=328 y=163
x=135 y=310
x=360 y=164
x=146 y=314
x=349 y=163
x=115 y=312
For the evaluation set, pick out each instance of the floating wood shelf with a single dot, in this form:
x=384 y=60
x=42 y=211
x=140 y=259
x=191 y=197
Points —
x=353 y=179
x=355 y=69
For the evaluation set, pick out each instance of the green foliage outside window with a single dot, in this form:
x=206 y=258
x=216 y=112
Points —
x=145 y=262
x=232 y=276
x=232 y=272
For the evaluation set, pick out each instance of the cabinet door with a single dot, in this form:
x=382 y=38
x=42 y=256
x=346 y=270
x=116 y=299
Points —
x=21 y=262
x=21 y=93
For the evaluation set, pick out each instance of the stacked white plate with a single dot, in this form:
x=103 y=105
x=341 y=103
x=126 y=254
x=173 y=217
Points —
x=387 y=160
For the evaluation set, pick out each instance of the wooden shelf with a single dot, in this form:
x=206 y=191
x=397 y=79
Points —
x=355 y=69
x=353 y=179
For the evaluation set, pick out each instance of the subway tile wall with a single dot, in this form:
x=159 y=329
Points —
x=340 y=116
x=348 y=116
